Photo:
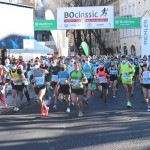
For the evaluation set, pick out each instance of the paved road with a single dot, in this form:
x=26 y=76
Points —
x=103 y=127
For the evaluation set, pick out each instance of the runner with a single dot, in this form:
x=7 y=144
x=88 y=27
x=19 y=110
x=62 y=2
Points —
x=17 y=78
x=3 y=69
x=26 y=83
x=102 y=80
x=40 y=86
x=144 y=77
x=78 y=80
x=113 y=71
x=126 y=71
x=64 y=88
x=53 y=72
x=7 y=76
x=88 y=70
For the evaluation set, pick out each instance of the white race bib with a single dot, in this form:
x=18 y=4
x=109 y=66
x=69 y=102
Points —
x=113 y=72
x=39 y=80
x=62 y=80
x=16 y=81
x=127 y=76
x=75 y=82
x=26 y=82
x=146 y=77
x=102 y=80
x=87 y=74
x=54 y=78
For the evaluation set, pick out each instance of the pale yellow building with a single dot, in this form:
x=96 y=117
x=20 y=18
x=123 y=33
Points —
x=131 y=38
x=111 y=37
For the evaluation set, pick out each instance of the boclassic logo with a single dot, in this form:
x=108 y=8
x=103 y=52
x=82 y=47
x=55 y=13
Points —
x=92 y=14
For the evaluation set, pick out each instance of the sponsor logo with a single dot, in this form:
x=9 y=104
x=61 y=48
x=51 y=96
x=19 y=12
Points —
x=146 y=32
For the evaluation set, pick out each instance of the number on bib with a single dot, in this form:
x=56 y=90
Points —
x=101 y=80
x=54 y=78
x=75 y=82
x=39 y=80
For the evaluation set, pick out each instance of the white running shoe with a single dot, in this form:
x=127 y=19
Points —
x=80 y=114
x=68 y=110
x=16 y=109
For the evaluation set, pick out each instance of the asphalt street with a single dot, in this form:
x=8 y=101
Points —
x=103 y=127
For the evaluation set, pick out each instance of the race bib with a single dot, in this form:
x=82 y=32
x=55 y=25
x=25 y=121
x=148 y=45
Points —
x=9 y=76
x=39 y=80
x=54 y=78
x=32 y=68
x=113 y=72
x=75 y=82
x=16 y=81
x=26 y=82
x=62 y=80
x=102 y=80
x=127 y=76
x=146 y=77
x=87 y=74
x=1 y=80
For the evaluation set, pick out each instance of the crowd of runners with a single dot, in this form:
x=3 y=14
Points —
x=74 y=79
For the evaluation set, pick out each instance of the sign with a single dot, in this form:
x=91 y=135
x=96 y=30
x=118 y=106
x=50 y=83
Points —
x=145 y=37
x=96 y=17
x=127 y=23
x=45 y=25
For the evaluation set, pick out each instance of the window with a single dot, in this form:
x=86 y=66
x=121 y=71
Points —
x=139 y=7
x=133 y=10
x=145 y=5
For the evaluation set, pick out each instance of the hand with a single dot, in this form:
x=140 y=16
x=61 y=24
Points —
x=47 y=83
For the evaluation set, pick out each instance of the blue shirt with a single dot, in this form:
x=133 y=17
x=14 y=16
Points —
x=63 y=76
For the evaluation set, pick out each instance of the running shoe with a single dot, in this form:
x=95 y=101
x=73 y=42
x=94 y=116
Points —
x=114 y=96
x=4 y=105
x=55 y=107
x=129 y=104
x=43 y=112
x=16 y=109
x=46 y=111
x=148 y=109
x=68 y=110
x=86 y=102
x=80 y=114
x=84 y=97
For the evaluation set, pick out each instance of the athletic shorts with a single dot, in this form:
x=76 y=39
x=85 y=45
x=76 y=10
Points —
x=64 y=89
x=105 y=85
x=53 y=84
x=89 y=81
x=7 y=80
x=38 y=89
x=78 y=91
x=17 y=87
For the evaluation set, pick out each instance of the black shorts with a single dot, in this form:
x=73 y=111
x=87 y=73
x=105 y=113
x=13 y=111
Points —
x=7 y=80
x=53 y=84
x=105 y=85
x=17 y=87
x=89 y=81
x=113 y=77
x=64 y=89
x=146 y=86
x=78 y=91
x=38 y=89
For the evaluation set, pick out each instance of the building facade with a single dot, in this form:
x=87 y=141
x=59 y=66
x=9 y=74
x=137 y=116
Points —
x=111 y=37
x=22 y=2
x=130 y=39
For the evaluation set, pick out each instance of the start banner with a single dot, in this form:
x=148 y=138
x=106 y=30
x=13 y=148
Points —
x=145 y=36
x=97 y=17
